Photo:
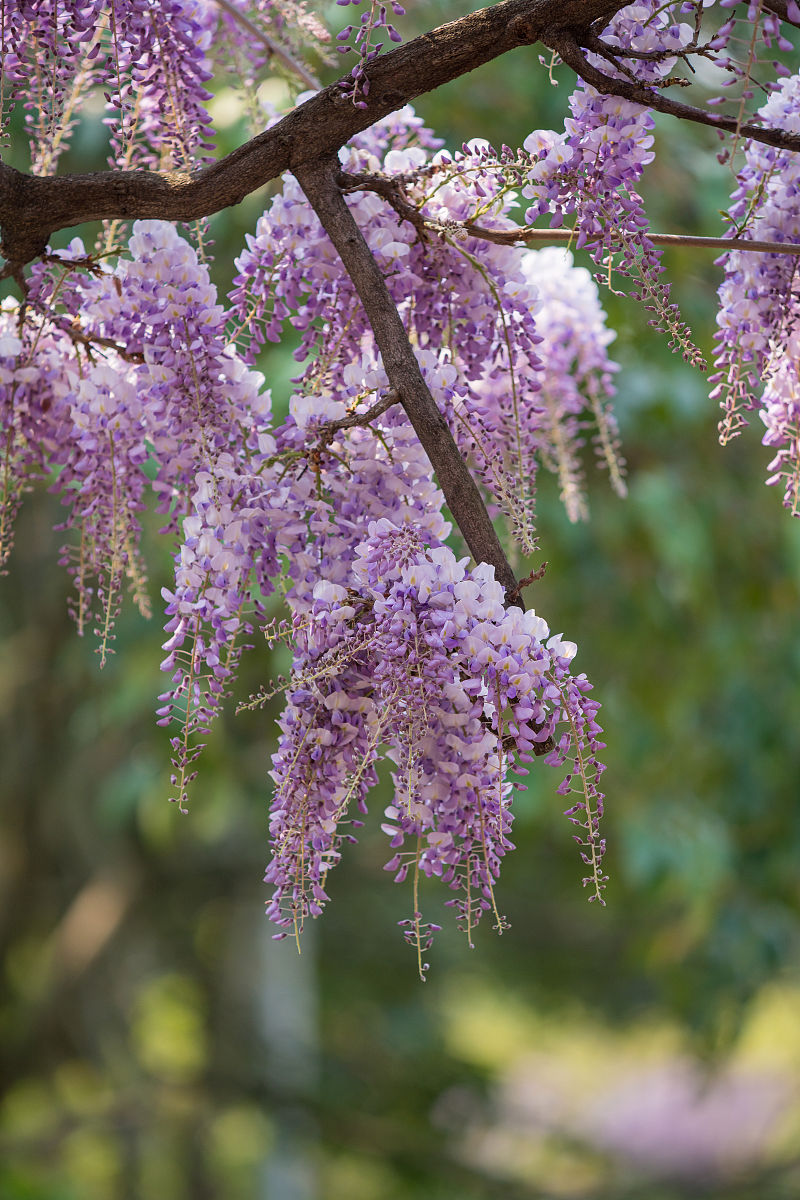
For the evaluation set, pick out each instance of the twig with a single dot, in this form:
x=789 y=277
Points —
x=512 y=237
x=393 y=193
x=90 y=340
x=275 y=48
x=328 y=431
x=527 y=581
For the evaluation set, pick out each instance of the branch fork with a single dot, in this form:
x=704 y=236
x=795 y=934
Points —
x=319 y=183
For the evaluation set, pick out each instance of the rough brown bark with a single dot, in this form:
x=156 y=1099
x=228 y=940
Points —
x=318 y=181
x=32 y=208
x=568 y=46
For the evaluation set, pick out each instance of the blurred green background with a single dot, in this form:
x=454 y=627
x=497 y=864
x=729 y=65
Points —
x=157 y=1043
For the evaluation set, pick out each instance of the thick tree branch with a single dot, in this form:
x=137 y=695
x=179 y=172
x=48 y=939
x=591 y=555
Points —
x=567 y=45
x=32 y=207
x=318 y=181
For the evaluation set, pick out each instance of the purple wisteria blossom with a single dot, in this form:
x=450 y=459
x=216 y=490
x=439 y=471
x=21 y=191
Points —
x=36 y=367
x=161 y=53
x=576 y=374
x=472 y=306
x=588 y=175
x=124 y=386
x=361 y=37
x=150 y=62
x=168 y=408
x=760 y=302
x=48 y=61
x=418 y=656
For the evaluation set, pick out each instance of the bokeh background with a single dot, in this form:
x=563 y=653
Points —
x=157 y=1043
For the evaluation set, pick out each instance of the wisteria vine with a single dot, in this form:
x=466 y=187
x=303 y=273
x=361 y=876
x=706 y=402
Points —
x=124 y=376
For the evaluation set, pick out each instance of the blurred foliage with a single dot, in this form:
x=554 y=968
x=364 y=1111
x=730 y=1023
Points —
x=157 y=1043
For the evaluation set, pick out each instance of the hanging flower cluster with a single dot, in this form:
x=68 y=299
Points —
x=591 y=171
x=164 y=404
x=361 y=38
x=421 y=656
x=123 y=373
x=576 y=374
x=399 y=649
x=149 y=64
x=760 y=300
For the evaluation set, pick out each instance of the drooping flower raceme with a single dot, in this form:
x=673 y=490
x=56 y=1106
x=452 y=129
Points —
x=760 y=300
x=124 y=377
x=576 y=371
x=591 y=171
x=180 y=414
x=420 y=655
x=472 y=307
x=362 y=37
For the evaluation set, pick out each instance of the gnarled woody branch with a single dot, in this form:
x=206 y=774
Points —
x=32 y=207
x=569 y=47
x=318 y=181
